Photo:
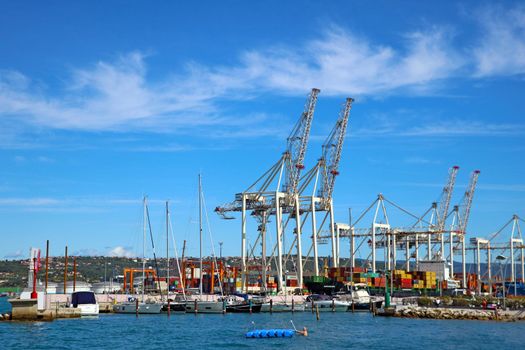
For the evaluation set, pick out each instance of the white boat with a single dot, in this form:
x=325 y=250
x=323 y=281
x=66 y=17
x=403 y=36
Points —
x=282 y=307
x=357 y=294
x=130 y=307
x=86 y=302
x=326 y=304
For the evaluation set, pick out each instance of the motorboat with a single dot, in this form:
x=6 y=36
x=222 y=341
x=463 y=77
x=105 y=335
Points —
x=242 y=303
x=357 y=294
x=86 y=302
x=325 y=303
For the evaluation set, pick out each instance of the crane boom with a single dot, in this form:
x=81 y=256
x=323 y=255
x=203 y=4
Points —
x=467 y=201
x=332 y=149
x=446 y=195
x=297 y=143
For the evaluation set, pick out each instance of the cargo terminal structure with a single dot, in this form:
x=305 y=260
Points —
x=299 y=203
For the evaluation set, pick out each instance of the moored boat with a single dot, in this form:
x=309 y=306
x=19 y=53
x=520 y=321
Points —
x=358 y=296
x=205 y=307
x=130 y=307
x=86 y=302
x=325 y=303
x=282 y=307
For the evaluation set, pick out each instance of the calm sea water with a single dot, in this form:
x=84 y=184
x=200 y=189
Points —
x=333 y=331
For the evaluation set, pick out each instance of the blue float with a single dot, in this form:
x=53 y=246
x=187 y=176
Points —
x=270 y=333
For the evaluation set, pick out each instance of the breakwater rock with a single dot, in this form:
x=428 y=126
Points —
x=444 y=313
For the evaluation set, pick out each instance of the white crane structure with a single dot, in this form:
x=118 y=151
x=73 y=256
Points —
x=458 y=227
x=325 y=173
x=510 y=244
x=429 y=229
x=270 y=196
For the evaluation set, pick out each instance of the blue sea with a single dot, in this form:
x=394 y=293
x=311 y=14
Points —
x=184 y=331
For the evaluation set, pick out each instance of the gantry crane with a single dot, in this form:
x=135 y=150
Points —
x=327 y=168
x=263 y=201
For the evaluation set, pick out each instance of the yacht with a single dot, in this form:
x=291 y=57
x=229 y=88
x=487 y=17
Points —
x=86 y=302
x=357 y=293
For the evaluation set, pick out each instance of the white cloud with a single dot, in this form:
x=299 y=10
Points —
x=120 y=251
x=450 y=128
x=29 y=202
x=419 y=160
x=501 y=48
x=342 y=63
x=16 y=255
x=119 y=95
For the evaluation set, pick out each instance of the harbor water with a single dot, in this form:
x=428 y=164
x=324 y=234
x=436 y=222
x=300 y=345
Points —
x=332 y=331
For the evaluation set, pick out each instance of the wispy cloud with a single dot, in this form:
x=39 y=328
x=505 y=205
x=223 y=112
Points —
x=30 y=202
x=428 y=127
x=120 y=95
x=72 y=203
x=502 y=187
x=501 y=47
x=419 y=160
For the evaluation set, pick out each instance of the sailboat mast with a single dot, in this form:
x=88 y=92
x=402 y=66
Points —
x=200 y=235
x=144 y=249
x=167 y=250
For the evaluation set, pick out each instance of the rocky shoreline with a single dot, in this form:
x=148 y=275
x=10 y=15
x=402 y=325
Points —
x=444 y=313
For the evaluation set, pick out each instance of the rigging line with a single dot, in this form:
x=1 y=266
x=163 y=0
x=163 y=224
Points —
x=153 y=247
x=211 y=239
x=366 y=211
x=181 y=279
x=403 y=210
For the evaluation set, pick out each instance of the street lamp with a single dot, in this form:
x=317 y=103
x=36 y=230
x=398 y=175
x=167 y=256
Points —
x=501 y=259
x=105 y=273
x=105 y=283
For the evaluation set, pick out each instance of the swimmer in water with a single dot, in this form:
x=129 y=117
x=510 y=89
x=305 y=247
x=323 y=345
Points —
x=303 y=332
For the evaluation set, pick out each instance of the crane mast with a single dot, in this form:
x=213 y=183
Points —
x=446 y=196
x=297 y=143
x=332 y=149
x=467 y=201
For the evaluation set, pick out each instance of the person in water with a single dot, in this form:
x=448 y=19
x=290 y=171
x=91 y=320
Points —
x=303 y=332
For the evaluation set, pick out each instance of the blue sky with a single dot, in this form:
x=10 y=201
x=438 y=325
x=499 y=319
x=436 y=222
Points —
x=101 y=103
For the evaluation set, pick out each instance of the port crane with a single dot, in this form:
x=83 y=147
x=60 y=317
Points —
x=263 y=199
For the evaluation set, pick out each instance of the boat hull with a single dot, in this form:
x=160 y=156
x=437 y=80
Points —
x=282 y=307
x=88 y=309
x=174 y=307
x=205 y=307
x=143 y=308
x=244 y=308
x=330 y=306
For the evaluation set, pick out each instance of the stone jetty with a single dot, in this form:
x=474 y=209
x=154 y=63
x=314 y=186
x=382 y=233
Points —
x=445 y=313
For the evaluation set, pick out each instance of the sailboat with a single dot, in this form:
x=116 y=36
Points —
x=176 y=304
x=199 y=305
x=133 y=306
